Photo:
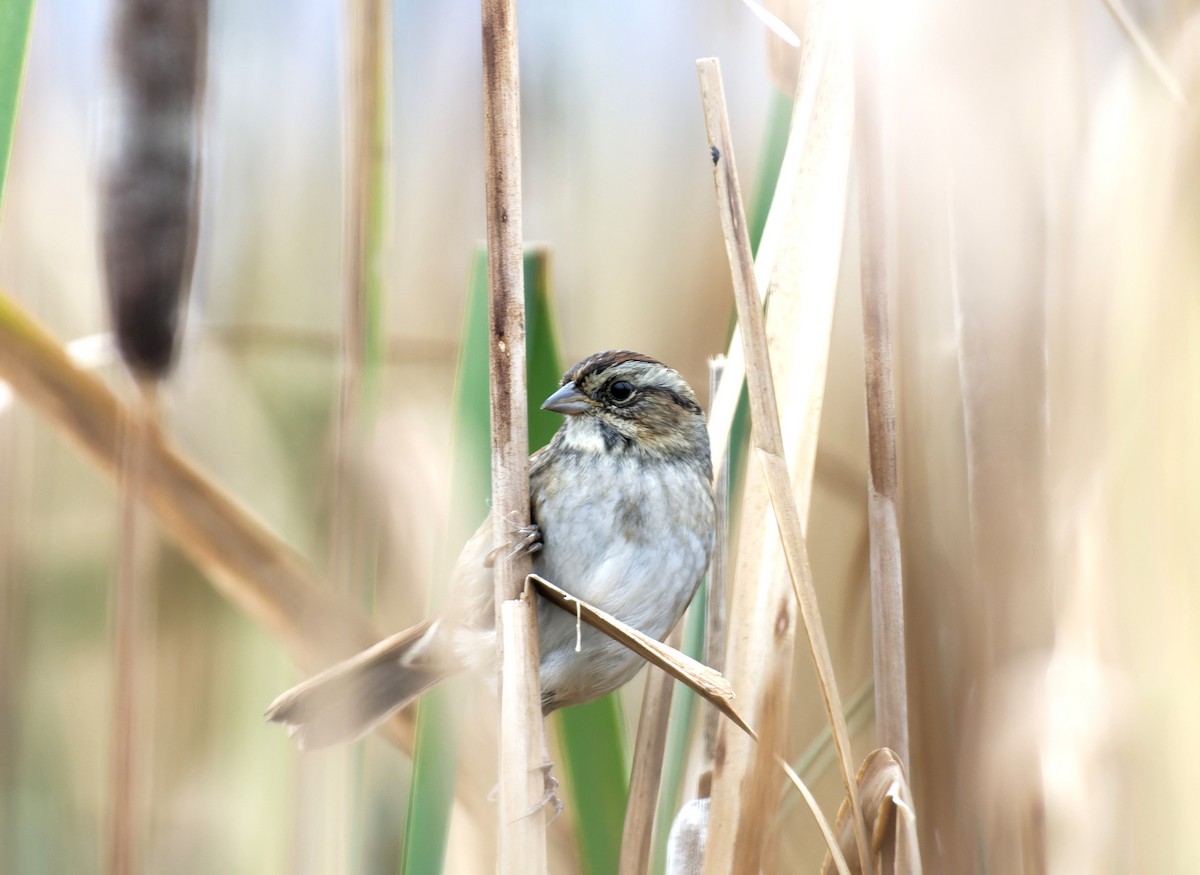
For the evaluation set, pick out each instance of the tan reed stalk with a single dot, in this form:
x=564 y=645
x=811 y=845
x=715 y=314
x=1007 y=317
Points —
x=329 y=798
x=522 y=732
x=365 y=23
x=887 y=585
x=717 y=622
x=799 y=256
x=133 y=647
x=811 y=126
x=768 y=434
x=645 y=780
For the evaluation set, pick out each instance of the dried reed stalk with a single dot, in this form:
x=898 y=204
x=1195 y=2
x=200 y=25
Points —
x=133 y=648
x=522 y=733
x=362 y=127
x=716 y=624
x=645 y=780
x=887 y=585
x=768 y=435
x=148 y=217
x=330 y=786
x=799 y=256
x=250 y=566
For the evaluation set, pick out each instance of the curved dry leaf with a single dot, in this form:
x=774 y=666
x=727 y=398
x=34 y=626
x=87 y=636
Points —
x=891 y=818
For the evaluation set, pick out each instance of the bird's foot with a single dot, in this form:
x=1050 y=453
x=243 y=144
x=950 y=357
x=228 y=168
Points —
x=525 y=539
x=550 y=797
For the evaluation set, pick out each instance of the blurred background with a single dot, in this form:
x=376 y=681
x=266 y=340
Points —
x=1046 y=319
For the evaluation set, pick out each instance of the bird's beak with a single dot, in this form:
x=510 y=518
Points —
x=568 y=400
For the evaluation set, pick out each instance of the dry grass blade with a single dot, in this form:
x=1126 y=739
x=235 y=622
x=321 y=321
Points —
x=887 y=585
x=835 y=852
x=522 y=740
x=249 y=565
x=710 y=684
x=887 y=801
x=768 y=435
x=646 y=778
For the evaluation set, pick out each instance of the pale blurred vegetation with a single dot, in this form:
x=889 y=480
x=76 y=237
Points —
x=1047 y=323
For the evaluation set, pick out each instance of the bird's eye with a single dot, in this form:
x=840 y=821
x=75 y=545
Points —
x=620 y=391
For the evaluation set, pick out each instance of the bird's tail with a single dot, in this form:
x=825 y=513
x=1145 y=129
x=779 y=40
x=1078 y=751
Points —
x=348 y=700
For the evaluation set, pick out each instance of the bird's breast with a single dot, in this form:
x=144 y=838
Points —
x=631 y=537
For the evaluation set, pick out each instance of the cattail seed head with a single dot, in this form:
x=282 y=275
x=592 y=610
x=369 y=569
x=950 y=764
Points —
x=149 y=195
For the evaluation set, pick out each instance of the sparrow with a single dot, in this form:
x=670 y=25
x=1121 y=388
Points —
x=623 y=518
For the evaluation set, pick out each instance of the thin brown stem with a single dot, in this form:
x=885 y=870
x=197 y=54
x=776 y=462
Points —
x=645 y=780
x=887 y=587
x=522 y=837
x=132 y=647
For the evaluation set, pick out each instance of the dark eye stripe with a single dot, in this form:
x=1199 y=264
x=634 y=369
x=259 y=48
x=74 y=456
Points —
x=675 y=397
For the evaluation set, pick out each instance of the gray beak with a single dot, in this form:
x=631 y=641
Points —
x=568 y=400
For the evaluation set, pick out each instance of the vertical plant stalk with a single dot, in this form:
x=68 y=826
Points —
x=363 y=202
x=332 y=786
x=149 y=226
x=522 y=733
x=798 y=265
x=887 y=587
x=646 y=777
x=132 y=649
x=767 y=433
x=717 y=620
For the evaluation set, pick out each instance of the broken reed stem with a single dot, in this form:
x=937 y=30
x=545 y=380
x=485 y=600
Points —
x=887 y=586
x=132 y=646
x=522 y=732
x=767 y=434
x=645 y=780
x=245 y=562
x=770 y=248
x=709 y=684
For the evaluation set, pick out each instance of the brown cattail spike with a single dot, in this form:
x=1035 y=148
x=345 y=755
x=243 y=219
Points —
x=149 y=198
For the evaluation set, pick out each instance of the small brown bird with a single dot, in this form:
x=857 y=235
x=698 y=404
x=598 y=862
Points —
x=622 y=502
